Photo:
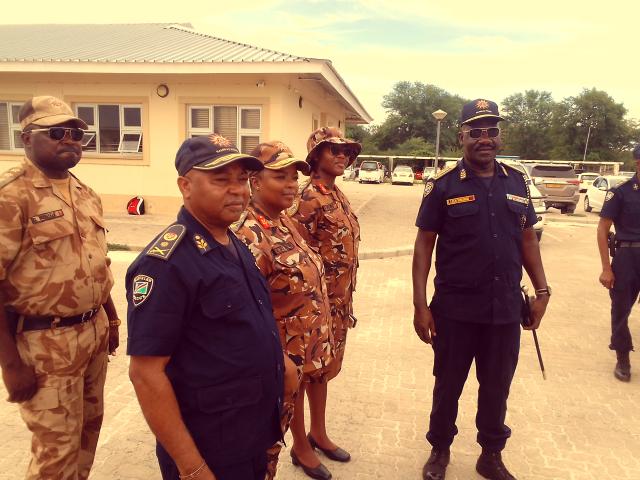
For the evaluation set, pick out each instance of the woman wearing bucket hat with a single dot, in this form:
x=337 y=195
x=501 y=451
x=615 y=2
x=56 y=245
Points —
x=298 y=292
x=326 y=221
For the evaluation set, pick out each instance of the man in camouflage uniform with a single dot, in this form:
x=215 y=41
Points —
x=54 y=282
x=295 y=276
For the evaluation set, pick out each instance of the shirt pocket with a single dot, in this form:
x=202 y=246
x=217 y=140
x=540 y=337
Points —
x=52 y=242
x=519 y=211
x=222 y=304
x=100 y=232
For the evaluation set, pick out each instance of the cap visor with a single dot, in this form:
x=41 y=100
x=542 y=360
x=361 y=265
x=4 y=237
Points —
x=478 y=117
x=338 y=141
x=249 y=162
x=301 y=165
x=58 y=119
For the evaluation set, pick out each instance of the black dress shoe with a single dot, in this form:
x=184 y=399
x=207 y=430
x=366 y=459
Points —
x=436 y=466
x=623 y=367
x=338 y=455
x=320 y=472
x=490 y=466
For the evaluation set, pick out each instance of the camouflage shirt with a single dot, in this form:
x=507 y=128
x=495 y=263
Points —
x=325 y=220
x=53 y=255
x=298 y=292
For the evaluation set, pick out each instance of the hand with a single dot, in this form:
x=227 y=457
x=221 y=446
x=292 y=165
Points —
x=423 y=324
x=538 y=306
x=21 y=382
x=114 y=340
x=607 y=278
x=291 y=379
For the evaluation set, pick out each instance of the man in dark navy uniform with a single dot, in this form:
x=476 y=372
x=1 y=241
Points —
x=206 y=359
x=622 y=276
x=481 y=214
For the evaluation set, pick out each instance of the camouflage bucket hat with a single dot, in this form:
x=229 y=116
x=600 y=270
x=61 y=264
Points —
x=276 y=156
x=47 y=111
x=331 y=135
x=209 y=153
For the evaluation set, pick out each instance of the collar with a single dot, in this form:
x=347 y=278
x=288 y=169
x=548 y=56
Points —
x=321 y=187
x=198 y=234
x=40 y=180
x=465 y=173
x=264 y=221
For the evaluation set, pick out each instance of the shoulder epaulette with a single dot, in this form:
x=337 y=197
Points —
x=10 y=175
x=511 y=167
x=167 y=242
x=237 y=225
x=292 y=210
x=444 y=172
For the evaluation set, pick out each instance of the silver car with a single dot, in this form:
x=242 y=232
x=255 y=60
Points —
x=558 y=182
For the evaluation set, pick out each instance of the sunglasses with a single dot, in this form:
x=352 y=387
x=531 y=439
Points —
x=58 y=133
x=492 y=132
x=342 y=149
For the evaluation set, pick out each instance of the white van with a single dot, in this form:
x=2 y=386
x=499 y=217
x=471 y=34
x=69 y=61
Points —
x=371 y=172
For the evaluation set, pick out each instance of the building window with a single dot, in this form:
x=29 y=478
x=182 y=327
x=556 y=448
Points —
x=10 y=128
x=113 y=128
x=240 y=124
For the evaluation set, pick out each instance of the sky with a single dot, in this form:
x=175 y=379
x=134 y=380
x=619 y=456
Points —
x=475 y=49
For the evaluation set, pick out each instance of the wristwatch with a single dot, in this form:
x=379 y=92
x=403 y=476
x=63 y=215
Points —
x=544 y=291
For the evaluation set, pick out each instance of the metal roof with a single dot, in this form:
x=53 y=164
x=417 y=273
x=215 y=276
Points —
x=128 y=43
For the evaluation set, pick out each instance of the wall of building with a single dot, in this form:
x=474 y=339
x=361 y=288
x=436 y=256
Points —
x=288 y=110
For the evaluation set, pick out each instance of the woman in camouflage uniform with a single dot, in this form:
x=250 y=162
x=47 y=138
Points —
x=298 y=292
x=325 y=219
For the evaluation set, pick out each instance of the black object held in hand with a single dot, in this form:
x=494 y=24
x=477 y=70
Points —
x=526 y=321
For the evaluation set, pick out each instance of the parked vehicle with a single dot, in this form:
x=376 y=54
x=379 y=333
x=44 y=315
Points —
x=402 y=174
x=627 y=174
x=349 y=173
x=586 y=179
x=371 y=172
x=558 y=182
x=596 y=193
x=537 y=198
x=419 y=175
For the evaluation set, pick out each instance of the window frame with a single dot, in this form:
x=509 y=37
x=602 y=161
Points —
x=12 y=126
x=124 y=129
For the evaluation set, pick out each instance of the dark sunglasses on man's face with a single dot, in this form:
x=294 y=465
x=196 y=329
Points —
x=338 y=149
x=58 y=133
x=492 y=132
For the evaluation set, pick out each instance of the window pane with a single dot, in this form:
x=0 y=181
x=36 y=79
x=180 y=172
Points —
x=132 y=117
x=225 y=122
x=4 y=127
x=200 y=118
x=15 y=111
x=89 y=141
x=130 y=142
x=109 y=117
x=249 y=143
x=17 y=141
x=251 y=118
x=87 y=114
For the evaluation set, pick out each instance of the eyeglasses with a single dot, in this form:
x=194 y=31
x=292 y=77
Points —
x=492 y=132
x=58 y=133
x=342 y=149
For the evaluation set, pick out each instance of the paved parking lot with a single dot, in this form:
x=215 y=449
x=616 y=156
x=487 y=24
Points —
x=579 y=424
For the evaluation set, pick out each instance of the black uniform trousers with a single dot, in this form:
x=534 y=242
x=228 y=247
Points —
x=626 y=269
x=495 y=349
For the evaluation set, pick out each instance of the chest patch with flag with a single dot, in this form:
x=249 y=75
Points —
x=457 y=200
x=142 y=286
x=516 y=198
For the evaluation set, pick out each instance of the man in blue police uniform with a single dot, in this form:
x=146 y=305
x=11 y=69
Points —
x=481 y=213
x=206 y=359
x=622 y=276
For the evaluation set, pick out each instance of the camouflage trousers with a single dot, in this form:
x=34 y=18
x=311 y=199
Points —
x=65 y=414
x=341 y=323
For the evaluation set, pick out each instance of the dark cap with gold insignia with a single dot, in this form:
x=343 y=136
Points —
x=477 y=109
x=211 y=152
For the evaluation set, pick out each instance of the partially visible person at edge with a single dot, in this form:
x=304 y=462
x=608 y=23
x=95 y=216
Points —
x=622 y=276
x=326 y=221
x=57 y=321
x=481 y=214
x=295 y=274
x=206 y=360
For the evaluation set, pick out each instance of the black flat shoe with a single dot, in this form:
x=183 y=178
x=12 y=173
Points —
x=320 y=472
x=338 y=455
x=436 y=466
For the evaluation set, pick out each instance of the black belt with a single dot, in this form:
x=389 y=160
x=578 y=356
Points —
x=44 y=323
x=628 y=244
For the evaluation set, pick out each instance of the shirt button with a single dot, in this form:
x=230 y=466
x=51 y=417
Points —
x=491 y=194
x=90 y=256
x=260 y=301
x=495 y=235
x=496 y=278
x=493 y=214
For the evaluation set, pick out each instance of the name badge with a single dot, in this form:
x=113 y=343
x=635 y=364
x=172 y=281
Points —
x=518 y=199
x=43 y=217
x=465 y=199
x=330 y=207
x=282 y=247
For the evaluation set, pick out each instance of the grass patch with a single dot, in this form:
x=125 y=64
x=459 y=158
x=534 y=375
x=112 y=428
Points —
x=112 y=247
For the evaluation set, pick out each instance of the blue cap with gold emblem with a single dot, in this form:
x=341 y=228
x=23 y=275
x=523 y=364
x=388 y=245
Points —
x=477 y=109
x=211 y=152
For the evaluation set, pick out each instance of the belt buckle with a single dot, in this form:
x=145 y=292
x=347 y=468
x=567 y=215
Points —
x=87 y=315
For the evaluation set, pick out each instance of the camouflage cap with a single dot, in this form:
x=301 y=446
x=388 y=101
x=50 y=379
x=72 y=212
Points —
x=477 y=109
x=47 y=111
x=330 y=135
x=211 y=152
x=276 y=156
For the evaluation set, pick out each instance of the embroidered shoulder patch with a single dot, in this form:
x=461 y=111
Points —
x=608 y=196
x=141 y=288
x=518 y=199
x=465 y=199
x=428 y=188
x=167 y=242
x=43 y=217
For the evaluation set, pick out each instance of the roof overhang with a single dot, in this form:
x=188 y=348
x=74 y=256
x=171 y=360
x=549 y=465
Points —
x=311 y=69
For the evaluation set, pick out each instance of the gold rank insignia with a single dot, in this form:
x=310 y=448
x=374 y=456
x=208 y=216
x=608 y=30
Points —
x=167 y=241
x=608 y=196
x=482 y=105
x=201 y=243
x=463 y=174
x=465 y=199
x=635 y=186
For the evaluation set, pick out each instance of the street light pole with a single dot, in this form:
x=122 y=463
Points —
x=586 y=145
x=439 y=116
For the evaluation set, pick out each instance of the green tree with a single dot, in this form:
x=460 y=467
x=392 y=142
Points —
x=527 y=131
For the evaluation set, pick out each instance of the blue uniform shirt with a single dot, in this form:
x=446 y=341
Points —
x=478 y=252
x=622 y=205
x=190 y=299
